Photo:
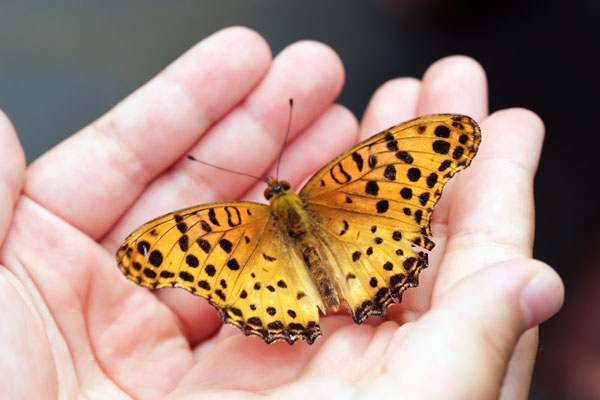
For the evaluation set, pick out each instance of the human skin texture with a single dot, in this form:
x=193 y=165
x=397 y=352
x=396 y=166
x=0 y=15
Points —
x=74 y=327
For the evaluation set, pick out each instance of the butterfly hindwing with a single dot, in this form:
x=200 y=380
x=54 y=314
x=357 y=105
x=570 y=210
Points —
x=373 y=262
x=277 y=298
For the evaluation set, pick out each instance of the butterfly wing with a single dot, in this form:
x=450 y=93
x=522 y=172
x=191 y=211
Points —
x=373 y=205
x=233 y=255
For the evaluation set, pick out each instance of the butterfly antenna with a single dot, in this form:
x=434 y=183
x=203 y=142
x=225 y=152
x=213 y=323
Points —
x=287 y=133
x=263 y=179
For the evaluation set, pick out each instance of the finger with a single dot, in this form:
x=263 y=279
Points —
x=12 y=172
x=476 y=339
x=493 y=220
x=248 y=139
x=104 y=167
x=455 y=84
x=394 y=102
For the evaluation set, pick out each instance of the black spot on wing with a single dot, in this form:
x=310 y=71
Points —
x=166 y=274
x=220 y=293
x=441 y=147
x=156 y=258
x=418 y=216
x=213 y=217
x=392 y=145
x=344 y=228
x=372 y=188
x=204 y=245
x=226 y=245
x=210 y=270
x=458 y=152
x=390 y=172
x=182 y=227
x=442 y=131
x=382 y=206
x=233 y=264
x=192 y=260
x=406 y=193
x=432 y=179
x=405 y=156
x=444 y=165
x=205 y=226
x=268 y=258
x=149 y=273
x=186 y=276
x=372 y=161
x=233 y=216
x=143 y=247
x=183 y=243
x=413 y=174
x=339 y=175
x=358 y=160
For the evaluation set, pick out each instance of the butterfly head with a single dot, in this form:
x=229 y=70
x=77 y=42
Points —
x=275 y=188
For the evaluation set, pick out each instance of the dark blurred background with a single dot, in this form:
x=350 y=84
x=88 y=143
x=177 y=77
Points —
x=64 y=63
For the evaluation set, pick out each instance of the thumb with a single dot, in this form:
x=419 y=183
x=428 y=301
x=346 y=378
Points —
x=464 y=343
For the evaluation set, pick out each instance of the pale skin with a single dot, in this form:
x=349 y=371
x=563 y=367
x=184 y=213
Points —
x=73 y=326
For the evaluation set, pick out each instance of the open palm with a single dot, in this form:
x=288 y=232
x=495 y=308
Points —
x=73 y=326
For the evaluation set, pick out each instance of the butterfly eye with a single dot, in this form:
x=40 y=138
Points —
x=285 y=185
x=268 y=193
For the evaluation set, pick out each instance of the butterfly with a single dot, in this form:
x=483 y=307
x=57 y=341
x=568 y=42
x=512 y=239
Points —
x=354 y=235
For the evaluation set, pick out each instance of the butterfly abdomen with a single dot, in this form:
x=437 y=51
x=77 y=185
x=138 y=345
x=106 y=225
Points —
x=293 y=220
x=319 y=274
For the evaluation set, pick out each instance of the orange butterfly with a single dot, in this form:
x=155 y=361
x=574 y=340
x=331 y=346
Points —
x=351 y=236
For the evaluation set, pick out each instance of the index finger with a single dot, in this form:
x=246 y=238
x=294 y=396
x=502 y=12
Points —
x=104 y=167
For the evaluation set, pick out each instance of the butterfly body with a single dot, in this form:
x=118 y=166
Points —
x=352 y=236
x=290 y=216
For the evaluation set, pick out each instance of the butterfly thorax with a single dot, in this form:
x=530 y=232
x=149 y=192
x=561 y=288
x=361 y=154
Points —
x=291 y=216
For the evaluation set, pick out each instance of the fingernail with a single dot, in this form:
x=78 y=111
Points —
x=540 y=299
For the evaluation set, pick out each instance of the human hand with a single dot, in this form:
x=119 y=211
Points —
x=79 y=328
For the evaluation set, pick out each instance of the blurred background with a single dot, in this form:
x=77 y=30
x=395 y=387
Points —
x=65 y=63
